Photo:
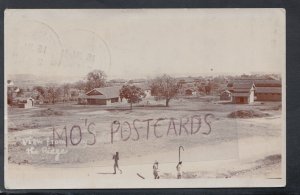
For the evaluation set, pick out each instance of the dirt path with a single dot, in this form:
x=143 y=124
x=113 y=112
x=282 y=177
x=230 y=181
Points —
x=258 y=163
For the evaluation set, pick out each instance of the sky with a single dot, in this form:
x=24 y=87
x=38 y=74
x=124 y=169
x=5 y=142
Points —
x=139 y=43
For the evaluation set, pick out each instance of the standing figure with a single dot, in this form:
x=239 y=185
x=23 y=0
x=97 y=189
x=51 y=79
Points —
x=178 y=168
x=155 y=170
x=116 y=164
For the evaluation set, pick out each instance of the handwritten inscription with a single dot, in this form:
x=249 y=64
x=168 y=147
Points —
x=187 y=126
x=74 y=135
x=134 y=130
x=119 y=130
x=33 y=147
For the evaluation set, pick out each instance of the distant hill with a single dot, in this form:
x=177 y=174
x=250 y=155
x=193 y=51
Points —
x=29 y=80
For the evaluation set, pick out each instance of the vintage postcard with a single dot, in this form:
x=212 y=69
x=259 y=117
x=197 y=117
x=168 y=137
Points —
x=145 y=98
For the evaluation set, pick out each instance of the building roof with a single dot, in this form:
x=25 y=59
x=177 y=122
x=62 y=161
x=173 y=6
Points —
x=104 y=93
x=267 y=83
x=98 y=97
x=240 y=94
x=23 y=99
x=261 y=82
x=268 y=90
x=225 y=91
x=243 y=85
x=241 y=90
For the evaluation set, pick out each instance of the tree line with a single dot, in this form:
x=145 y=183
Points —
x=63 y=93
x=162 y=87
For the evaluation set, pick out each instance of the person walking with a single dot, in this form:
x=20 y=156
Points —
x=116 y=164
x=155 y=170
x=178 y=168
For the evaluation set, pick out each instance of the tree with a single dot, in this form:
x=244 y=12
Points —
x=20 y=92
x=41 y=92
x=207 y=89
x=53 y=94
x=80 y=85
x=165 y=87
x=212 y=86
x=132 y=94
x=95 y=79
x=66 y=91
x=10 y=91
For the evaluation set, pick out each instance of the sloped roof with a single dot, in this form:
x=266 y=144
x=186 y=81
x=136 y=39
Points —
x=268 y=90
x=98 y=97
x=267 y=83
x=225 y=91
x=106 y=92
x=240 y=94
x=241 y=90
x=23 y=98
x=259 y=82
x=242 y=85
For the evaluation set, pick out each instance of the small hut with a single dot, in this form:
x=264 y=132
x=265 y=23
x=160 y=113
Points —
x=226 y=95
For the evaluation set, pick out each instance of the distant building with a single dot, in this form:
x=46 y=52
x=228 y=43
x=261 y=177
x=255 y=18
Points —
x=10 y=83
x=230 y=87
x=188 y=92
x=147 y=92
x=116 y=82
x=187 y=80
x=268 y=93
x=101 y=96
x=145 y=87
x=243 y=92
x=265 y=89
x=226 y=95
x=268 y=90
x=24 y=102
x=267 y=83
x=188 y=85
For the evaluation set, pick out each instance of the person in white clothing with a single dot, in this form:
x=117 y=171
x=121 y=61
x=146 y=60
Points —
x=179 y=171
x=155 y=170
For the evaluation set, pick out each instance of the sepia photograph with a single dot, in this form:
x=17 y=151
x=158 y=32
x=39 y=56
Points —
x=144 y=98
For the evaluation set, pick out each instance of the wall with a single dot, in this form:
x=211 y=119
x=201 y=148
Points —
x=113 y=100
x=28 y=104
x=268 y=97
x=96 y=102
x=251 y=97
x=225 y=96
x=240 y=100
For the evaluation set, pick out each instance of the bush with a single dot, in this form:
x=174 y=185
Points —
x=247 y=114
x=49 y=112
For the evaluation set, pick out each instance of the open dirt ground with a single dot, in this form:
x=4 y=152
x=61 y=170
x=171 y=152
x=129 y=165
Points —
x=215 y=145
